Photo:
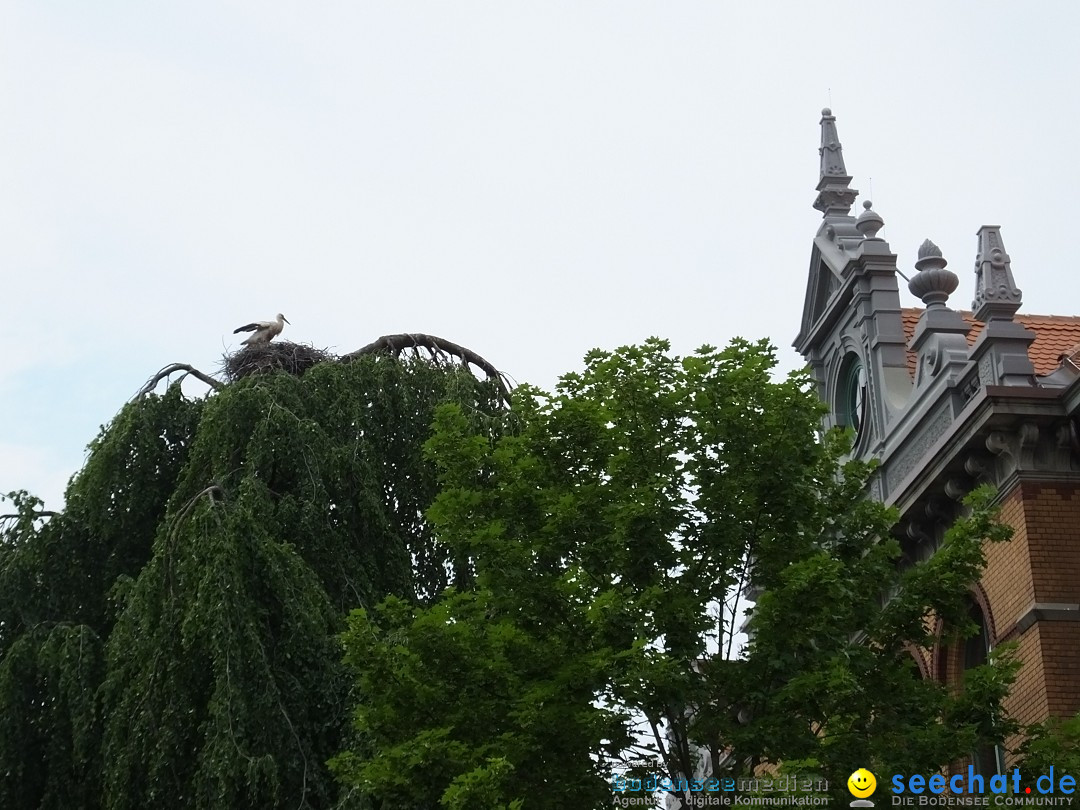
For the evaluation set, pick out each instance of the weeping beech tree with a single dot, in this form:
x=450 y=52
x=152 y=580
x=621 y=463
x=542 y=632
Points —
x=170 y=638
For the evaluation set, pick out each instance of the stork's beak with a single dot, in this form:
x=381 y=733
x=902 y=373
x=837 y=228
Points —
x=286 y=320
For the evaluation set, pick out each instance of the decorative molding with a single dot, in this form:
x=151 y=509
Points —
x=1048 y=612
x=877 y=487
x=933 y=429
x=998 y=443
x=979 y=466
x=938 y=511
x=1028 y=436
x=1063 y=435
x=1029 y=450
x=957 y=488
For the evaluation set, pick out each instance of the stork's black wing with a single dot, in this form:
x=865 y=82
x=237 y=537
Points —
x=251 y=327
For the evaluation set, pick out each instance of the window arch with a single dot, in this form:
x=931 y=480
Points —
x=922 y=670
x=987 y=760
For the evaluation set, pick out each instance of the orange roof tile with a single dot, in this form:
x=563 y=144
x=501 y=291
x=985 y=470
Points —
x=1055 y=335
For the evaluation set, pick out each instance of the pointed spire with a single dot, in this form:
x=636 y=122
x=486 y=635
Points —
x=832 y=153
x=835 y=194
x=996 y=295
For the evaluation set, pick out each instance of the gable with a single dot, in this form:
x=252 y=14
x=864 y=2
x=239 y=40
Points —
x=821 y=285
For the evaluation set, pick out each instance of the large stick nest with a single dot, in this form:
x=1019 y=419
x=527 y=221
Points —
x=295 y=358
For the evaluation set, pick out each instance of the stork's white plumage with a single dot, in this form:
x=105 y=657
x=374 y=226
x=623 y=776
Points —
x=264 y=331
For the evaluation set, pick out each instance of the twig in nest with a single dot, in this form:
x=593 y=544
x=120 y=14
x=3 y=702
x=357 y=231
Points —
x=151 y=384
x=438 y=348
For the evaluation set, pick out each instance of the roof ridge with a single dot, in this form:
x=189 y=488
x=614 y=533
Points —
x=967 y=313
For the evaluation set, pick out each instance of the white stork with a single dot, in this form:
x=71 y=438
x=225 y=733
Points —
x=264 y=331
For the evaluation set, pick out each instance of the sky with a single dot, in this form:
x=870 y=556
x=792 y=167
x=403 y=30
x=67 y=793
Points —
x=530 y=180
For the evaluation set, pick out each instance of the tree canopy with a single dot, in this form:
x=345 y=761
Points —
x=542 y=599
x=611 y=533
x=170 y=638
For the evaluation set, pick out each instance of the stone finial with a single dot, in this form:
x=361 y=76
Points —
x=929 y=256
x=996 y=295
x=933 y=283
x=869 y=222
x=835 y=195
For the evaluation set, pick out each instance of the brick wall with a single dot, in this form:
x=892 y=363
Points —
x=1040 y=565
x=1053 y=529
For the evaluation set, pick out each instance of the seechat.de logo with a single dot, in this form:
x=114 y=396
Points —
x=999 y=790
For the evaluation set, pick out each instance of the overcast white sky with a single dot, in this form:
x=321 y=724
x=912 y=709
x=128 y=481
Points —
x=528 y=179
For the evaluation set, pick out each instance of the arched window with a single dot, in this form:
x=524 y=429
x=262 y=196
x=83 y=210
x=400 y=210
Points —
x=850 y=404
x=987 y=760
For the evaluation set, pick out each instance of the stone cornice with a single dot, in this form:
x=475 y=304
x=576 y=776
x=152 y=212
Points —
x=967 y=447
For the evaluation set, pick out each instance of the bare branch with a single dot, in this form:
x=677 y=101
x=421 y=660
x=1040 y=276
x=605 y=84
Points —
x=437 y=347
x=151 y=384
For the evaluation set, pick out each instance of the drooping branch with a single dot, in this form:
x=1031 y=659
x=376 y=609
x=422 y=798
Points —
x=38 y=515
x=151 y=384
x=438 y=349
x=214 y=492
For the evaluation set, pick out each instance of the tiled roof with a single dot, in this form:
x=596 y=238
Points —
x=1055 y=335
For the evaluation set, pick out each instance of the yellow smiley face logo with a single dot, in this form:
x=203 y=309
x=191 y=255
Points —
x=861 y=783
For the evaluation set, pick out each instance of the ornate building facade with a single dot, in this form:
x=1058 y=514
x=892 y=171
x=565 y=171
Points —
x=945 y=400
